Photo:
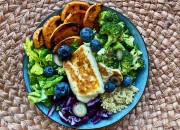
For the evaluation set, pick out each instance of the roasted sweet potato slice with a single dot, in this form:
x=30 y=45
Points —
x=73 y=6
x=38 y=38
x=76 y=17
x=49 y=28
x=64 y=31
x=68 y=41
x=91 y=14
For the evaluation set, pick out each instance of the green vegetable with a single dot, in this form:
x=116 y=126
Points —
x=129 y=42
x=41 y=86
x=113 y=31
x=50 y=91
x=33 y=78
x=37 y=96
x=61 y=71
x=36 y=69
x=44 y=88
x=74 y=46
x=137 y=62
x=108 y=58
x=48 y=57
x=52 y=81
x=101 y=38
x=126 y=62
x=35 y=87
x=28 y=46
x=47 y=82
x=37 y=55
x=131 y=62
x=117 y=45
x=42 y=53
x=108 y=16
x=57 y=108
x=118 y=37
x=111 y=27
x=133 y=74
x=48 y=102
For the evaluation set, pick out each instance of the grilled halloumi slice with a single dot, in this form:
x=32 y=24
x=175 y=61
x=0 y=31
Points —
x=107 y=72
x=83 y=74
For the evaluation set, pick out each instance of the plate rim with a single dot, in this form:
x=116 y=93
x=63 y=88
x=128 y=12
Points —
x=79 y=127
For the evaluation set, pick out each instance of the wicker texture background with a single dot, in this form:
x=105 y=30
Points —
x=157 y=20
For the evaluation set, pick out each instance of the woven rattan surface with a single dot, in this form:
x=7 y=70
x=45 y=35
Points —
x=157 y=20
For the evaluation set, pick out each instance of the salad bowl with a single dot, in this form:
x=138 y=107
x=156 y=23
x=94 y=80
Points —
x=140 y=82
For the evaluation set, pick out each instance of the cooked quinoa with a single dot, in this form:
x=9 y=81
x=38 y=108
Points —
x=119 y=99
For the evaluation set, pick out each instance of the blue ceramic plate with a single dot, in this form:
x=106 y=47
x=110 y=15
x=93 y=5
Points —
x=140 y=82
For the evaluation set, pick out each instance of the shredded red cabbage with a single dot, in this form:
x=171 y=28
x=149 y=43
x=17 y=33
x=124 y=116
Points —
x=95 y=112
x=51 y=110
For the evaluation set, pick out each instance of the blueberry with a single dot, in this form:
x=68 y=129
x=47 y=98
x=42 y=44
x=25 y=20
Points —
x=48 y=71
x=95 y=45
x=61 y=89
x=109 y=86
x=127 y=81
x=64 y=52
x=87 y=34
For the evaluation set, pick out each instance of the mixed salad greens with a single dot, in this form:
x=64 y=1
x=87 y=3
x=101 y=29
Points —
x=113 y=46
x=42 y=86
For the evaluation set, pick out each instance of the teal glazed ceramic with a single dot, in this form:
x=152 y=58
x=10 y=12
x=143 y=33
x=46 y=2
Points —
x=140 y=81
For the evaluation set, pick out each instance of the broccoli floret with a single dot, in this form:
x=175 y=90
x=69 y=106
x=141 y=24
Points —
x=133 y=74
x=137 y=62
x=126 y=62
x=131 y=62
x=126 y=34
x=108 y=16
x=101 y=38
x=117 y=45
x=135 y=51
x=129 y=42
x=108 y=58
x=110 y=26
x=113 y=31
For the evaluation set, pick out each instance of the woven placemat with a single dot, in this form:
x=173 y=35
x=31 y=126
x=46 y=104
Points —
x=157 y=20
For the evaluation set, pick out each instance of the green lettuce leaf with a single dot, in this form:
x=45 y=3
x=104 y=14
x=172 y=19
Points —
x=74 y=46
x=61 y=71
x=41 y=52
x=49 y=82
x=42 y=87
x=47 y=102
x=50 y=91
x=42 y=80
x=48 y=57
x=37 y=96
x=33 y=78
x=28 y=46
x=36 y=69
x=35 y=87
x=41 y=55
x=52 y=81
